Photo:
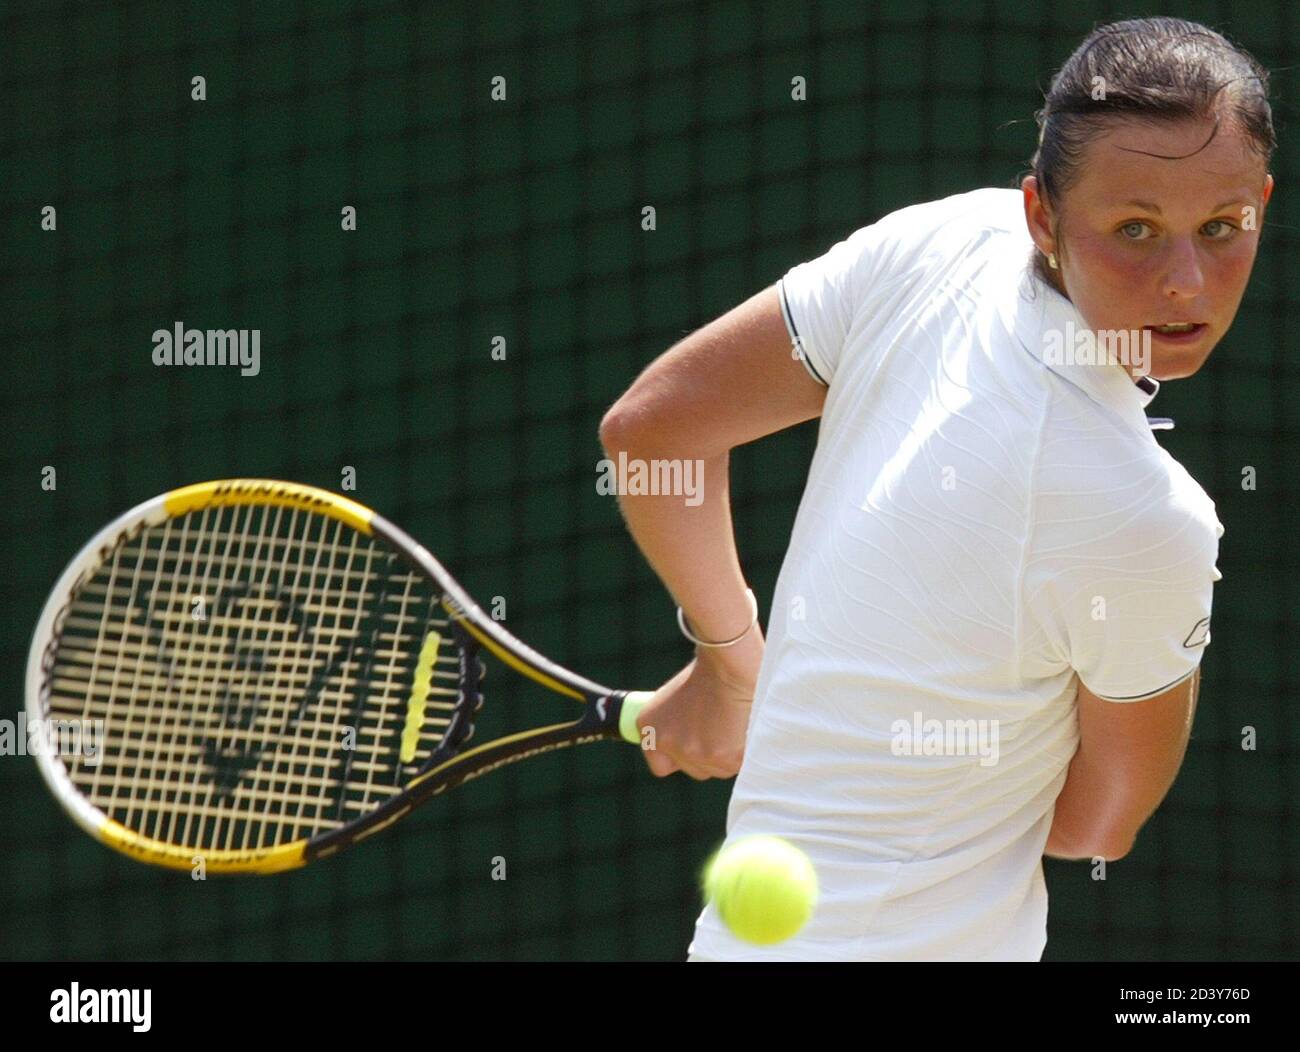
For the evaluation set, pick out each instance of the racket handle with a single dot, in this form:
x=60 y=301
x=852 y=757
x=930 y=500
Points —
x=633 y=702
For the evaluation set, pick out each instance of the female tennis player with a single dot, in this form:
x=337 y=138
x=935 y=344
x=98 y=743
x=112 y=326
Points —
x=985 y=637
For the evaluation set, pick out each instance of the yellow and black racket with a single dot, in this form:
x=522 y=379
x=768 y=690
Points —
x=277 y=672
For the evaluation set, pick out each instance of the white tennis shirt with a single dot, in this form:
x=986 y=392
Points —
x=982 y=522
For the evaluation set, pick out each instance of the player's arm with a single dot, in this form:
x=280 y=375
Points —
x=1128 y=757
x=729 y=383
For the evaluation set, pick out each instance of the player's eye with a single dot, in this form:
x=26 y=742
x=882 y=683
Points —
x=1133 y=230
x=1219 y=229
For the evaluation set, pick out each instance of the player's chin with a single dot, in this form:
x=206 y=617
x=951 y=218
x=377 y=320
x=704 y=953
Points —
x=1168 y=364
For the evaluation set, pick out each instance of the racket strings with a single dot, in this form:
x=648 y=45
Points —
x=253 y=668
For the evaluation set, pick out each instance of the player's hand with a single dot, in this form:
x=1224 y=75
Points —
x=700 y=716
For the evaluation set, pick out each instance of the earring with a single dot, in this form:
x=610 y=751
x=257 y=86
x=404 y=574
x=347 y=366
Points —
x=1051 y=261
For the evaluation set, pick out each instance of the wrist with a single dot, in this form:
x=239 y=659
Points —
x=711 y=642
x=737 y=665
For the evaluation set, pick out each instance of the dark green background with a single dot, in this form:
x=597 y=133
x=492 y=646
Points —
x=521 y=219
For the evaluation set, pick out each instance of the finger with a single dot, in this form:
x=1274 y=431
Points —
x=661 y=764
x=702 y=772
x=713 y=764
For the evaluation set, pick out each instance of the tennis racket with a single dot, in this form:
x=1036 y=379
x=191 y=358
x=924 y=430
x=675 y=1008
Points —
x=280 y=673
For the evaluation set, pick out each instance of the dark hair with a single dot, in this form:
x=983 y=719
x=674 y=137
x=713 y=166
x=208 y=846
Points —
x=1146 y=69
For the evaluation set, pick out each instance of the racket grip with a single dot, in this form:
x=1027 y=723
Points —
x=633 y=702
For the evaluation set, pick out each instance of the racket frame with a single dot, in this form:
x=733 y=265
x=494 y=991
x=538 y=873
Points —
x=608 y=713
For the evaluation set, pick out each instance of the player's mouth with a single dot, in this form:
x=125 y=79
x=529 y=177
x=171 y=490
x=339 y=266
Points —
x=1178 y=332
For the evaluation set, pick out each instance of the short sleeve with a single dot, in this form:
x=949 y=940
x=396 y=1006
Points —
x=1135 y=622
x=851 y=295
x=821 y=297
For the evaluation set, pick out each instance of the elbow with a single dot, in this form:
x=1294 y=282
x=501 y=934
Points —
x=1111 y=850
x=616 y=427
x=653 y=428
x=1115 y=845
x=1115 y=838
x=635 y=427
x=1110 y=846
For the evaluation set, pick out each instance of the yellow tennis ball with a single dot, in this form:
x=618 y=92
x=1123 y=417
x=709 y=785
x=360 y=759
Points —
x=764 y=888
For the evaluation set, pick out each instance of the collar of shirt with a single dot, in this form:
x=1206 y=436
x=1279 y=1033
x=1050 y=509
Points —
x=1038 y=310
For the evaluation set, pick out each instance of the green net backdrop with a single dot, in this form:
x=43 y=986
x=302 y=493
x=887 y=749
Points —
x=521 y=220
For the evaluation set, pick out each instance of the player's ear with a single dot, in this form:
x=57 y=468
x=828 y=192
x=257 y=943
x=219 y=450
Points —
x=1038 y=215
